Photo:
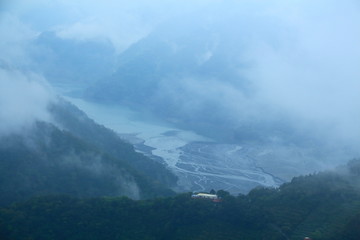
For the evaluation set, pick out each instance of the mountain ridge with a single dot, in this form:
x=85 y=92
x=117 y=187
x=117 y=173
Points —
x=76 y=158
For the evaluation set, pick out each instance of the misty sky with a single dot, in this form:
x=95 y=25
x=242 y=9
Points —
x=303 y=57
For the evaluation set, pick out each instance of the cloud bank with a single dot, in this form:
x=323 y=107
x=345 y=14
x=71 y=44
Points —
x=314 y=74
x=23 y=100
x=24 y=95
x=298 y=58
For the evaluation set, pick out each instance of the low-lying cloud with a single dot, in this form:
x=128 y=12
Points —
x=298 y=58
x=24 y=95
x=314 y=73
x=15 y=41
x=23 y=100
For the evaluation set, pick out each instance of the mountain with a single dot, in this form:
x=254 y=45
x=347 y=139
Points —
x=191 y=79
x=196 y=79
x=169 y=74
x=68 y=64
x=74 y=120
x=321 y=206
x=73 y=155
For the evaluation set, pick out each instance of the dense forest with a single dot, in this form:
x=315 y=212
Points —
x=73 y=155
x=321 y=206
x=81 y=126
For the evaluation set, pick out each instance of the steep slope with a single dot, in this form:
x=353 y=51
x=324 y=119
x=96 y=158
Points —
x=50 y=161
x=165 y=74
x=193 y=78
x=71 y=63
x=69 y=117
x=81 y=159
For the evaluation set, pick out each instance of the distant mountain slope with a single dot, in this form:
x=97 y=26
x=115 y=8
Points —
x=176 y=76
x=194 y=79
x=83 y=159
x=70 y=62
x=69 y=117
x=321 y=206
x=48 y=161
x=162 y=75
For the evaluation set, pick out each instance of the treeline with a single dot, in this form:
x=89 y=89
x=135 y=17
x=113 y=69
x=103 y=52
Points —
x=321 y=206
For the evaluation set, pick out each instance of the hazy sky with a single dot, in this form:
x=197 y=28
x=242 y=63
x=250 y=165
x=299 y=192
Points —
x=303 y=56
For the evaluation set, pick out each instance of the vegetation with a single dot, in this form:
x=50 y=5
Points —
x=76 y=122
x=78 y=157
x=321 y=206
x=68 y=180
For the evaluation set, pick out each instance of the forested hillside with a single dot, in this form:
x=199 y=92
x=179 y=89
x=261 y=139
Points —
x=78 y=157
x=75 y=121
x=321 y=206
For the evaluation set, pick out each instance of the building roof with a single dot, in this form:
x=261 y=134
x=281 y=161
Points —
x=205 y=195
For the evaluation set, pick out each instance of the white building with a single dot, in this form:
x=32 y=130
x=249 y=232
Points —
x=212 y=197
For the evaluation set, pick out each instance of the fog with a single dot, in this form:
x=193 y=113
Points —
x=23 y=100
x=24 y=94
x=295 y=60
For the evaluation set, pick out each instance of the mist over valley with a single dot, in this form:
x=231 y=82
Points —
x=258 y=78
x=137 y=104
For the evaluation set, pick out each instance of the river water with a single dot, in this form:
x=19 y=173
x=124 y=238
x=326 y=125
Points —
x=202 y=164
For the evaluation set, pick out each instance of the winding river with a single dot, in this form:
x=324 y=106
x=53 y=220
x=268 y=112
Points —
x=201 y=164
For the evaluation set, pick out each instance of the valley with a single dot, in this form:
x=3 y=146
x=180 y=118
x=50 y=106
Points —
x=200 y=163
